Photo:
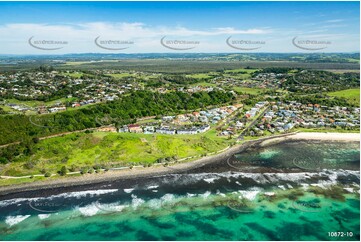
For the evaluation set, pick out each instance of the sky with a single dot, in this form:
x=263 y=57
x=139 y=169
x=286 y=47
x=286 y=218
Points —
x=176 y=27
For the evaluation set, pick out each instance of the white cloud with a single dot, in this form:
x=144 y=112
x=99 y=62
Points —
x=14 y=37
x=334 y=21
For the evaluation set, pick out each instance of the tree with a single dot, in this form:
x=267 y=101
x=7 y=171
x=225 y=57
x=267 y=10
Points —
x=63 y=171
x=3 y=160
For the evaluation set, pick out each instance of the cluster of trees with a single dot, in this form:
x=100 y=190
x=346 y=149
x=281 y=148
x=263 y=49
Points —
x=27 y=129
x=319 y=99
x=180 y=79
x=45 y=68
x=167 y=159
x=321 y=81
x=276 y=70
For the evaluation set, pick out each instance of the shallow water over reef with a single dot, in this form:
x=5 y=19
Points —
x=289 y=191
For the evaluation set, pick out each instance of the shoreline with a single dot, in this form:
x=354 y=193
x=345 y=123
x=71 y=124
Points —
x=109 y=176
x=316 y=136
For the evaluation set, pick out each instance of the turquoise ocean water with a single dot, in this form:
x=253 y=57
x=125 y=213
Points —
x=289 y=191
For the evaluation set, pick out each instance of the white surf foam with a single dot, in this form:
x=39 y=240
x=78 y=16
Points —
x=81 y=194
x=269 y=194
x=220 y=194
x=210 y=180
x=168 y=198
x=152 y=187
x=249 y=195
x=89 y=210
x=43 y=216
x=349 y=189
x=154 y=203
x=136 y=202
x=16 y=200
x=129 y=190
x=206 y=194
x=62 y=195
x=12 y=220
x=110 y=207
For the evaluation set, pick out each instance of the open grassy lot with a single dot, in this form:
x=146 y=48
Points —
x=8 y=109
x=77 y=63
x=253 y=91
x=352 y=95
x=7 y=182
x=34 y=103
x=343 y=71
x=188 y=66
x=199 y=76
x=204 y=84
x=112 y=149
x=240 y=73
x=122 y=75
x=73 y=74
x=249 y=71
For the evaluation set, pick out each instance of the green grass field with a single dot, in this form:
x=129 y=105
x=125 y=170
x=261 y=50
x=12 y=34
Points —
x=199 y=76
x=247 y=90
x=7 y=182
x=34 y=103
x=122 y=75
x=249 y=71
x=352 y=95
x=112 y=149
x=73 y=74
x=77 y=63
x=240 y=74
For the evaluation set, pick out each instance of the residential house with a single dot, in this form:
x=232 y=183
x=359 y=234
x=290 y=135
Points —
x=135 y=128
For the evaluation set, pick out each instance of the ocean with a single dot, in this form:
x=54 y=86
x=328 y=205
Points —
x=295 y=190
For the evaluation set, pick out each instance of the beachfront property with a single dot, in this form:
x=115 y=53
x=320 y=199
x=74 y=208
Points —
x=165 y=130
x=284 y=116
x=135 y=128
x=190 y=123
x=107 y=129
x=57 y=109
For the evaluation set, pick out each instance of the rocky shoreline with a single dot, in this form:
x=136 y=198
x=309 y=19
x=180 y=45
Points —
x=71 y=183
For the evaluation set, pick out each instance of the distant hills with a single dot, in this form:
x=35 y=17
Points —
x=297 y=57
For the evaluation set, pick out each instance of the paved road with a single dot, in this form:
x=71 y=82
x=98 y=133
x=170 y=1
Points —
x=240 y=137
